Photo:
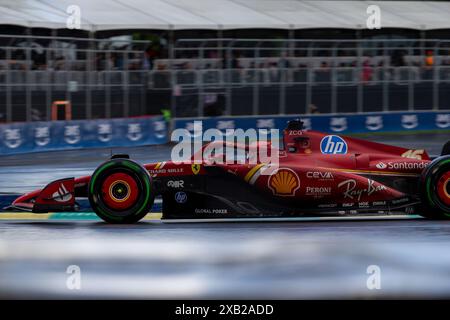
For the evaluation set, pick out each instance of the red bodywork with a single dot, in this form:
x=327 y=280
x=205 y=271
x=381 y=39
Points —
x=313 y=169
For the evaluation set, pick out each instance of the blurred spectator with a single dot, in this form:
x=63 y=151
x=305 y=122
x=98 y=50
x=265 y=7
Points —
x=367 y=72
x=312 y=109
x=232 y=62
x=211 y=105
x=324 y=66
x=398 y=58
x=429 y=59
x=59 y=63
x=283 y=62
x=274 y=72
x=146 y=61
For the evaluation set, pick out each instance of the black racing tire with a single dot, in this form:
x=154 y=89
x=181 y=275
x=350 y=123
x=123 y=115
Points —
x=129 y=197
x=435 y=189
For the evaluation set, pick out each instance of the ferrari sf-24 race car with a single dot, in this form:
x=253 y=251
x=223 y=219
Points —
x=318 y=174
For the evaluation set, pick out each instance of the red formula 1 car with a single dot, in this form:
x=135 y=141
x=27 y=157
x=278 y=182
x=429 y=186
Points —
x=318 y=175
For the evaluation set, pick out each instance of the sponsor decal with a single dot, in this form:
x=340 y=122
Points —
x=307 y=124
x=175 y=183
x=265 y=123
x=213 y=211
x=352 y=192
x=410 y=210
x=12 y=138
x=282 y=153
x=363 y=204
x=160 y=165
x=318 y=191
x=295 y=132
x=72 y=134
x=225 y=124
x=443 y=120
x=160 y=129
x=401 y=165
x=409 y=121
x=284 y=182
x=327 y=205
x=181 y=197
x=319 y=175
x=374 y=122
x=338 y=124
x=134 y=132
x=407 y=165
x=62 y=195
x=400 y=201
x=413 y=154
x=332 y=144
x=163 y=171
x=104 y=132
x=255 y=172
x=348 y=204
x=381 y=165
x=195 y=168
x=42 y=136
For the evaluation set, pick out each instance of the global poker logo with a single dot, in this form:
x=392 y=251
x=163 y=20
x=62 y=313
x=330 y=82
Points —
x=332 y=144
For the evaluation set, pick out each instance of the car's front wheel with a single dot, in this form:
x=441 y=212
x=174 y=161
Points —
x=435 y=189
x=120 y=191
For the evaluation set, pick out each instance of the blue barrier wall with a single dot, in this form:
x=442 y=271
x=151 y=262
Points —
x=61 y=135
x=341 y=123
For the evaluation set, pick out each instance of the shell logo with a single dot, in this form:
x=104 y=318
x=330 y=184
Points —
x=284 y=182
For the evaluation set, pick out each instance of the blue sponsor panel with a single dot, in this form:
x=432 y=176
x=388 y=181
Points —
x=61 y=135
x=332 y=123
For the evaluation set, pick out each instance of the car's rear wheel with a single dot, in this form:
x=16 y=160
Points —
x=435 y=189
x=120 y=191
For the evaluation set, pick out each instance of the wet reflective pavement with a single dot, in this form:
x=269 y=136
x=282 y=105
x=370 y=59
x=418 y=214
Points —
x=226 y=260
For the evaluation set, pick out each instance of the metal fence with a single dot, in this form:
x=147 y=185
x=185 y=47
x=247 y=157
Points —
x=234 y=76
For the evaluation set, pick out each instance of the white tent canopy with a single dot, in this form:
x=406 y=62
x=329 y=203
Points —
x=97 y=15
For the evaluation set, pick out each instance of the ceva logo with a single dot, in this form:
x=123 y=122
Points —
x=333 y=145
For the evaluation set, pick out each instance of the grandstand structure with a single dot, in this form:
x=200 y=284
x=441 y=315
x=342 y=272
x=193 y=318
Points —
x=221 y=57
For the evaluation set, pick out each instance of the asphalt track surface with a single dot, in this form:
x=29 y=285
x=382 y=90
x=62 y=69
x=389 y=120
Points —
x=306 y=258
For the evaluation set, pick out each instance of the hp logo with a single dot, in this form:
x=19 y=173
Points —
x=333 y=145
x=181 y=197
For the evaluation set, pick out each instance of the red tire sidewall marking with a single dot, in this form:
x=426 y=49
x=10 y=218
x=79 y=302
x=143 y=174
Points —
x=441 y=186
x=130 y=199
